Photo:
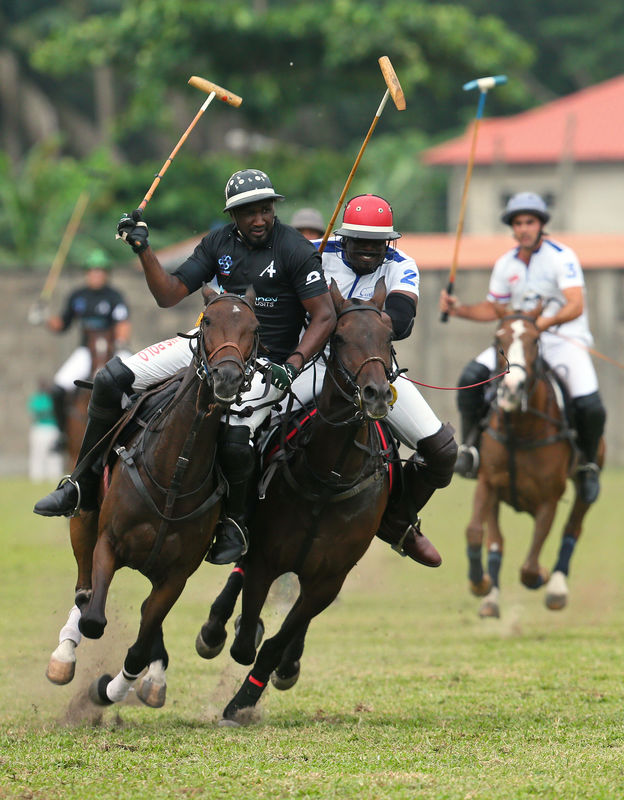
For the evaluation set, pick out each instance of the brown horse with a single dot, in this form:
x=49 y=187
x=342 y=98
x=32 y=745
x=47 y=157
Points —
x=159 y=511
x=527 y=455
x=322 y=507
x=101 y=346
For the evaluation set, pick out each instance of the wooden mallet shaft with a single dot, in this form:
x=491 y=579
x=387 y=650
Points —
x=393 y=90
x=213 y=90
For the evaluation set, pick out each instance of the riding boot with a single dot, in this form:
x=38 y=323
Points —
x=59 y=408
x=430 y=469
x=236 y=460
x=472 y=407
x=590 y=417
x=79 y=490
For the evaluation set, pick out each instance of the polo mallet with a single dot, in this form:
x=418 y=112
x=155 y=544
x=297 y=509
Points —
x=36 y=311
x=393 y=90
x=483 y=85
x=213 y=90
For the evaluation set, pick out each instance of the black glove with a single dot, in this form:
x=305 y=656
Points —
x=133 y=230
x=282 y=376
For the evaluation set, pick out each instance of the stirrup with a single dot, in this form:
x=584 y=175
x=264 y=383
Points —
x=68 y=479
x=413 y=528
x=243 y=535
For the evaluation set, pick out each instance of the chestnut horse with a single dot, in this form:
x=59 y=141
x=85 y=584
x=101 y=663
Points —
x=322 y=507
x=527 y=455
x=101 y=346
x=161 y=507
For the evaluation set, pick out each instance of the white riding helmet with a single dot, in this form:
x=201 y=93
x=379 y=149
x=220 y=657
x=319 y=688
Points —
x=525 y=203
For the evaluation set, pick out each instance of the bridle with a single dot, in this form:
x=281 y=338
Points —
x=204 y=366
x=530 y=382
x=354 y=395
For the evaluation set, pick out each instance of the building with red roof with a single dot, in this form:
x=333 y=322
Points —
x=571 y=151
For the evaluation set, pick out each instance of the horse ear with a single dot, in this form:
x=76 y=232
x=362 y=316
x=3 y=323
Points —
x=379 y=295
x=335 y=295
x=207 y=293
x=250 y=295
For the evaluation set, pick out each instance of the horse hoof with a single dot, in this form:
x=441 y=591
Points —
x=60 y=672
x=228 y=723
x=91 y=628
x=490 y=608
x=97 y=691
x=283 y=683
x=556 y=592
x=205 y=650
x=482 y=588
x=533 y=581
x=259 y=630
x=151 y=693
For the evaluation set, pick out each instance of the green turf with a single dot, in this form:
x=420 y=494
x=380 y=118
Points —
x=404 y=691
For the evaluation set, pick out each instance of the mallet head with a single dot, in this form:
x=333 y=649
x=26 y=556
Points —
x=484 y=84
x=392 y=82
x=222 y=94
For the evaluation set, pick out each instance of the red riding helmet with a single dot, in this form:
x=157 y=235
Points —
x=367 y=216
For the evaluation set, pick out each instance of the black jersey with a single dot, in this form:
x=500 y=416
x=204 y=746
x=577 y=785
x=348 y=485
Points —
x=283 y=272
x=95 y=309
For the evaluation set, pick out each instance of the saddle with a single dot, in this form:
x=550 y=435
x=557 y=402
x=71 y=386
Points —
x=284 y=436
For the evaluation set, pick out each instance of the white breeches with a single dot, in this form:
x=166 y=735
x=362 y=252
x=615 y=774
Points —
x=572 y=363
x=410 y=418
x=77 y=367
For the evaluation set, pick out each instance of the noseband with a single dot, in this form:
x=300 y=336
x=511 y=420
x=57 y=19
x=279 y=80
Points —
x=203 y=360
x=351 y=377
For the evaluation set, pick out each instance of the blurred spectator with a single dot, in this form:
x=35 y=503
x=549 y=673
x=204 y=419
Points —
x=309 y=222
x=43 y=462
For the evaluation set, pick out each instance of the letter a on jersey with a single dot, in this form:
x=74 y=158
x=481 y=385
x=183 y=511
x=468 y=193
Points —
x=270 y=271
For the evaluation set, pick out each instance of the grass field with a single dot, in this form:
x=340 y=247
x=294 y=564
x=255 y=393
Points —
x=404 y=691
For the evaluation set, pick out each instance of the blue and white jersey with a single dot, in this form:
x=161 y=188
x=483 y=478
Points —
x=399 y=270
x=552 y=268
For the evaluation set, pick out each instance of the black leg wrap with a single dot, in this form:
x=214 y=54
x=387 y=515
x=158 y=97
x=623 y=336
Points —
x=246 y=697
x=471 y=403
x=590 y=418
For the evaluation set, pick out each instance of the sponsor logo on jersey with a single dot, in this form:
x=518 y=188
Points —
x=225 y=264
x=315 y=275
x=270 y=271
x=266 y=302
x=366 y=294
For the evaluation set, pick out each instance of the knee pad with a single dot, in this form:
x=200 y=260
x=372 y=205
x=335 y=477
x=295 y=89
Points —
x=440 y=453
x=590 y=417
x=472 y=401
x=109 y=385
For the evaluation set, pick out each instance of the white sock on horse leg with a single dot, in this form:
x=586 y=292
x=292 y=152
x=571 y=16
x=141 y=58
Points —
x=156 y=673
x=65 y=651
x=70 y=629
x=119 y=687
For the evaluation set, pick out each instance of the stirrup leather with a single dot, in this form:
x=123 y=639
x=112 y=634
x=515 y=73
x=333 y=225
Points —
x=413 y=528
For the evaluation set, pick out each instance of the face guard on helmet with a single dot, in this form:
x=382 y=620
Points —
x=525 y=203
x=248 y=186
x=366 y=232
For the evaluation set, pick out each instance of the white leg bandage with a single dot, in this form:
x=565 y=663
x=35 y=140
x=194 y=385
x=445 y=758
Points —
x=119 y=687
x=70 y=629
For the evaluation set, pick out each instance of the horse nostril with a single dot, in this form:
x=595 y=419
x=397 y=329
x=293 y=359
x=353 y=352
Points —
x=369 y=394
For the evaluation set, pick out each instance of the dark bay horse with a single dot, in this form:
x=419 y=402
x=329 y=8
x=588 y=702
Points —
x=322 y=507
x=101 y=346
x=527 y=455
x=159 y=511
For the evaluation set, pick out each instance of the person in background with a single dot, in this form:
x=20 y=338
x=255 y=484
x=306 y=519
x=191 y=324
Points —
x=309 y=223
x=44 y=463
x=96 y=305
x=538 y=269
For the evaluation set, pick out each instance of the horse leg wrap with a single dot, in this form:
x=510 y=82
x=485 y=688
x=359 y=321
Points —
x=568 y=544
x=70 y=629
x=475 y=565
x=590 y=417
x=246 y=697
x=118 y=688
x=495 y=558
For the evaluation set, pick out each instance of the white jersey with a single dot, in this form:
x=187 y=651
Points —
x=399 y=270
x=552 y=268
